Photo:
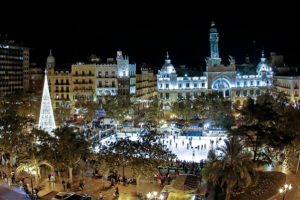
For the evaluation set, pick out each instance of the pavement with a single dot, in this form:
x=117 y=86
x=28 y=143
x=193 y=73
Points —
x=294 y=194
x=10 y=193
x=92 y=188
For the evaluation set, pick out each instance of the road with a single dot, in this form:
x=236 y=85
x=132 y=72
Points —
x=7 y=193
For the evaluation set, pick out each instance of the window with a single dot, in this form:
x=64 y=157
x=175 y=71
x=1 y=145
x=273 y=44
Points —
x=106 y=73
x=245 y=83
x=188 y=95
x=251 y=82
x=180 y=86
x=167 y=95
x=82 y=73
x=179 y=95
x=238 y=93
x=90 y=73
x=238 y=84
x=61 y=81
x=245 y=93
x=251 y=92
x=160 y=85
x=203 y=84
x=167 y=86
x=257 y=83
x=258 y=92
x=187 y=85
x=195 y=85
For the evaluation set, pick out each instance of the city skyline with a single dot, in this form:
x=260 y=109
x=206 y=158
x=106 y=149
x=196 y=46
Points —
x=184 y=36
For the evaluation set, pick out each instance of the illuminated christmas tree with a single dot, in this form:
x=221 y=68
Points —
x=46 y=120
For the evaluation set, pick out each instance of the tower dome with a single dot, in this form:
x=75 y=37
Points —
x=262 y=65
x=168 y=68
x=50 y=60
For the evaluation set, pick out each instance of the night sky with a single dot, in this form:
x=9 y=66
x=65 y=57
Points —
x=145 y=37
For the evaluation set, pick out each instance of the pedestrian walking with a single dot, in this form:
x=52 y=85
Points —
x=81 y=184
x=64 y=184
x=117 y=192
x=68 y=186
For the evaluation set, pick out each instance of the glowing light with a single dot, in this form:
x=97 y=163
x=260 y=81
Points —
x=46 y=120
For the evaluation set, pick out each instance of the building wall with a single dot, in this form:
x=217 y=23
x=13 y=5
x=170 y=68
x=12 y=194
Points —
x=106 y=80
x=84 y=81
x=14 y=69
x=60 y=88
x=145 y=87
x=289 y=85
x=36 y=80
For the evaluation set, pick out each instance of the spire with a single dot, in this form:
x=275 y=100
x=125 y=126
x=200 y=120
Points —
x=46 y=120
x=262 y=53
x=50 y=54
x=212 y=23
x=167 y=60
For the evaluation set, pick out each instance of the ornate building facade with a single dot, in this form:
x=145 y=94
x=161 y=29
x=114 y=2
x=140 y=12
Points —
x=290 y=85
x=60 y=85
x=226 y=80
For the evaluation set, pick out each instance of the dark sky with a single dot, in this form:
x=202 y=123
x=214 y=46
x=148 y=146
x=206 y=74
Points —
x=145 y=37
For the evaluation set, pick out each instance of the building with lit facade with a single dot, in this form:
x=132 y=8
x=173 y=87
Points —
x=83 y=80
x=89 y=82
x=289 y=85
x=14 y=68
x=60 y=85
x=145 y=86
x=226 y=80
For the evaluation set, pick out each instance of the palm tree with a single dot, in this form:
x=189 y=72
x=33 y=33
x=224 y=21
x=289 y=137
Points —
x=33 y=167
x=232 y=168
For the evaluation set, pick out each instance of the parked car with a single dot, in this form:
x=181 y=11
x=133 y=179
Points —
x=71 y=196
x=79 y=197
x=62 y=195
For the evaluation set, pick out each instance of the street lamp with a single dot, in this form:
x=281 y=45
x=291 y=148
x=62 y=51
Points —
x=283 y=190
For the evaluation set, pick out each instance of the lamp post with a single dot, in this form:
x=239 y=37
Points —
x=283 y=190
